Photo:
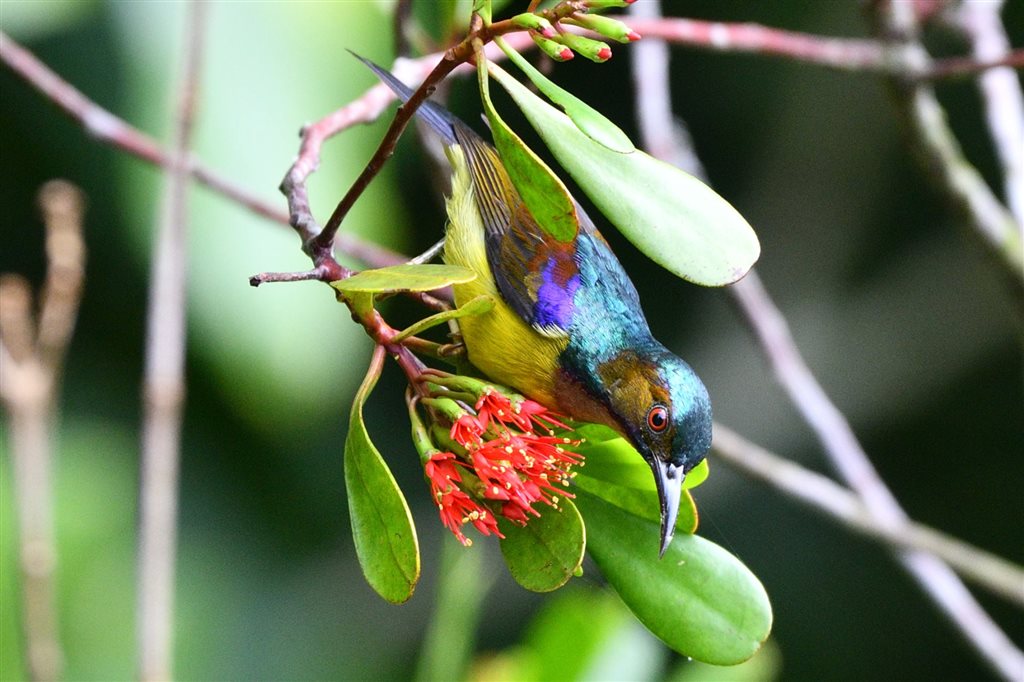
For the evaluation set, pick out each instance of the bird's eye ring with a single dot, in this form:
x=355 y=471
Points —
x=657 y=418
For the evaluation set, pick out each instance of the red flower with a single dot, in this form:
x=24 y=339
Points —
x=495 y=409
x=507 y=466
x=455 y=506
x=467 y=431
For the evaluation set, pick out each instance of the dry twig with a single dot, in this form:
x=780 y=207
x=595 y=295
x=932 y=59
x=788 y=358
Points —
x=31 y=358
x=164 y=381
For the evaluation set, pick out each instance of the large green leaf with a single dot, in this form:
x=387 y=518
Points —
x=382 y=527
x=586 y=118
x=545 y=196
x=544 y=554
x=614 y=460
x=640 y=501
x=699 y=599
x=674 y=218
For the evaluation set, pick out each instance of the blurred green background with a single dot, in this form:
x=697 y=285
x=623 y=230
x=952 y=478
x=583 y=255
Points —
x=896 y=308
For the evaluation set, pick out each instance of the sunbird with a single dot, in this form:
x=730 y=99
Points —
x=567 y=329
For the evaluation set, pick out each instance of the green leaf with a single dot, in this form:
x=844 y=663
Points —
x=615 y=460
x=398 y=278
x=642 y=502
x=674 y=218
x=544 y=554
x=699 y=599
x=589 y=120
x=382 y=527
x=697 y=475
x=474 y=306
x=545 y=196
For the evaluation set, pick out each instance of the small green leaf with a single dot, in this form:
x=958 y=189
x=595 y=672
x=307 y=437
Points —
x=382 y=527
x=586 y=118
x=674 y=218
x=697 y=475
x=699 y=599
x=642 y=502
x=545 y=196
x=544 y=554
x=409 y=277
x=475 y=306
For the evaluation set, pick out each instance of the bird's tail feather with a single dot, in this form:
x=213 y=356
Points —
x=440 y=119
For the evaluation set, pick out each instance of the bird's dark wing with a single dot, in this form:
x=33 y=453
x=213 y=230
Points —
x=536 y=274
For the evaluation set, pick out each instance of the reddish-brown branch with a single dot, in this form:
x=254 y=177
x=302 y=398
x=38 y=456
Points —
x=851 y=54
x=848 y=54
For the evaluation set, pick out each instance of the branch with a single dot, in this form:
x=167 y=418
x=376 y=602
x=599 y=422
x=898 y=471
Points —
x=108 y=129
x=1001 y=94
x=164 y=383
x=841 y=445
x=31 y=357
x=848 y=457
x=940 y=153
x=846 y=54
x=832 y=500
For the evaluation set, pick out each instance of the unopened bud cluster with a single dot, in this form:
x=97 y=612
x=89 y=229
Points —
x=561 y=45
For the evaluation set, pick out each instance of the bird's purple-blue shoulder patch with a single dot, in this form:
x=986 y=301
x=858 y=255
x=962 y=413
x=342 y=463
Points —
x=554 y=305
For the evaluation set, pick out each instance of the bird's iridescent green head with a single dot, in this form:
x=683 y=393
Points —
x=661 y=405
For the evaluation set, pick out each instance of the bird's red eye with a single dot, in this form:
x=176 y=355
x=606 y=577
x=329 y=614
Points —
x=657 y=418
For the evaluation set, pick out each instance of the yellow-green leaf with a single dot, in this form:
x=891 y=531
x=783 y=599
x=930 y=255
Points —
x=399 y=278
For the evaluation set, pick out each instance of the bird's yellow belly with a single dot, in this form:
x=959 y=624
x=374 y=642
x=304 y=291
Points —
x=499 y=343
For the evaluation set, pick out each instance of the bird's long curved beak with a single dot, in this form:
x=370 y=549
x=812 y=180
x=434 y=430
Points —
x=669 y=479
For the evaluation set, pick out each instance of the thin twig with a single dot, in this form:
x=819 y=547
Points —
x=821 y=494
x=164 y=383
x=940 y=153
x=1001 y=94
x=31 y=358
x=845 y=452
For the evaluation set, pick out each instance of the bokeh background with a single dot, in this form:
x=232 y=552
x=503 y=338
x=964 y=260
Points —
x=896 y=307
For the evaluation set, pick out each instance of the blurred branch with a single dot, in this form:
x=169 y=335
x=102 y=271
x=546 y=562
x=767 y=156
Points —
x=1001 y=94
x=940 y=152
x=847 y=54
x=823 y=495
x=108 y=129
x=833 y=430
x=164 y=382
x=31 y=358
x=848 y=457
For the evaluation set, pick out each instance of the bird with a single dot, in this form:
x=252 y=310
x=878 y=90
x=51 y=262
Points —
x=567 y=329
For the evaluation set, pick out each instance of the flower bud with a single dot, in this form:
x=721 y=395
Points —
x=557 y=51
x=534 y=22
x=594 y=50
x=611 y=28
